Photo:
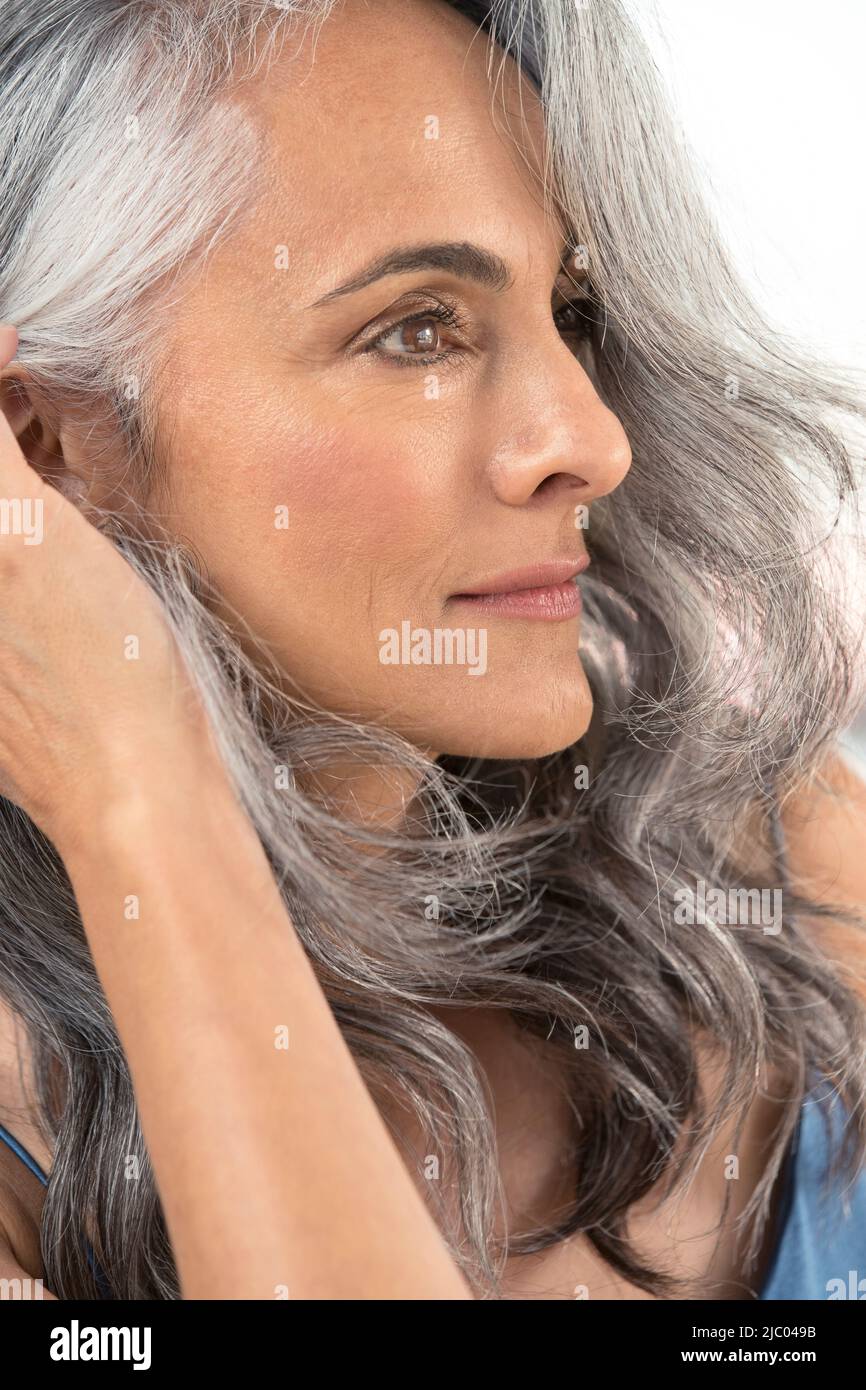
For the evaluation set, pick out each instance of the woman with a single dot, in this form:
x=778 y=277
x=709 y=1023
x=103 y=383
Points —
x=355 y=935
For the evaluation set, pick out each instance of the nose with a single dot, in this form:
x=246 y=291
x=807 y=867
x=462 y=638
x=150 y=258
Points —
x=557 y=442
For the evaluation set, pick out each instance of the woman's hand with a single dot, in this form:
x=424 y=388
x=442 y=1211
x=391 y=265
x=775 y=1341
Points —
x=90 y=676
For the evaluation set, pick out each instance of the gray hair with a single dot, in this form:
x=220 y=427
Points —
x=722 y=662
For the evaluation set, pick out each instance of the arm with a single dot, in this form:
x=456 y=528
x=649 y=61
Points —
x=274 y=1166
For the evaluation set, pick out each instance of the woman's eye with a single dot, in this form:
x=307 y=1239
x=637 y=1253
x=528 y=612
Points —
x=414 y=337
x=418 y=339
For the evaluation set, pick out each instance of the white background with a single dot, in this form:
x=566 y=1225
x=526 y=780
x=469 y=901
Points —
x=772 y=98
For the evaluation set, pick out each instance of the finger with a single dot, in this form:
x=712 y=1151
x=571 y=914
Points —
x=8 y=343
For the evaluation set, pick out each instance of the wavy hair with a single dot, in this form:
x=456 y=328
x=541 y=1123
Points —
x=722 y=661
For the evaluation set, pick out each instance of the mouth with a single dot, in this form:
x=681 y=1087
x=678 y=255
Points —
x=545 y=592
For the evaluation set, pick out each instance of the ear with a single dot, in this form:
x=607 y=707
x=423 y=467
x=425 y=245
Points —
x=78 y=457
x=36 y=438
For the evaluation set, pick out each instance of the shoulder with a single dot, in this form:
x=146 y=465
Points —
x=825 y=834
x=824 y=822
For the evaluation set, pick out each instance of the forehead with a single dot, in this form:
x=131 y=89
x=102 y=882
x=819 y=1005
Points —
x=388 y=123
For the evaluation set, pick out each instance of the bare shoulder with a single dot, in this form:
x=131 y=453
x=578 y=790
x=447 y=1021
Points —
x=825 y=834
x=825 y=837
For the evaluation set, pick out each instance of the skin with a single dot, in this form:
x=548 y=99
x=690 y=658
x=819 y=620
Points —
x=396 y=502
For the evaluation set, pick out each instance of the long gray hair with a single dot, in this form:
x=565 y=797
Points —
x=722 y=663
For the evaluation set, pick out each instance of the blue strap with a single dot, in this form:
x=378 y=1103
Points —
x=22 y=1153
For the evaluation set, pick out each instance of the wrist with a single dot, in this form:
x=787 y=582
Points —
x=159 y=773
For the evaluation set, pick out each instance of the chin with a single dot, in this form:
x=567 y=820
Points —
x=539 y=742
x=516 y=722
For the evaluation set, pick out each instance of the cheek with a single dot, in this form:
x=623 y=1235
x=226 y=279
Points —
x=316 y=533
x=345 y=502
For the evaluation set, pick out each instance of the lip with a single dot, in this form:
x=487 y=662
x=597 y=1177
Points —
x=544 y=591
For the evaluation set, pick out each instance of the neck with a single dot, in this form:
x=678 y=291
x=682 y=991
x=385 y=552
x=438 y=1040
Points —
x=375 y=796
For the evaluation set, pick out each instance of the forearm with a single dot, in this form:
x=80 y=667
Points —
x=273 y=1164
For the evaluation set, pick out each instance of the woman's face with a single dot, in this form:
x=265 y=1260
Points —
x=342 y=488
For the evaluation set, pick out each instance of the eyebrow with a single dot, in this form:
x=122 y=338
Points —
x=462 y=258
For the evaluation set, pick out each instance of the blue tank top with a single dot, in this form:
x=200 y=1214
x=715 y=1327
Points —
x=820 y=1252
x=820 y=1249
